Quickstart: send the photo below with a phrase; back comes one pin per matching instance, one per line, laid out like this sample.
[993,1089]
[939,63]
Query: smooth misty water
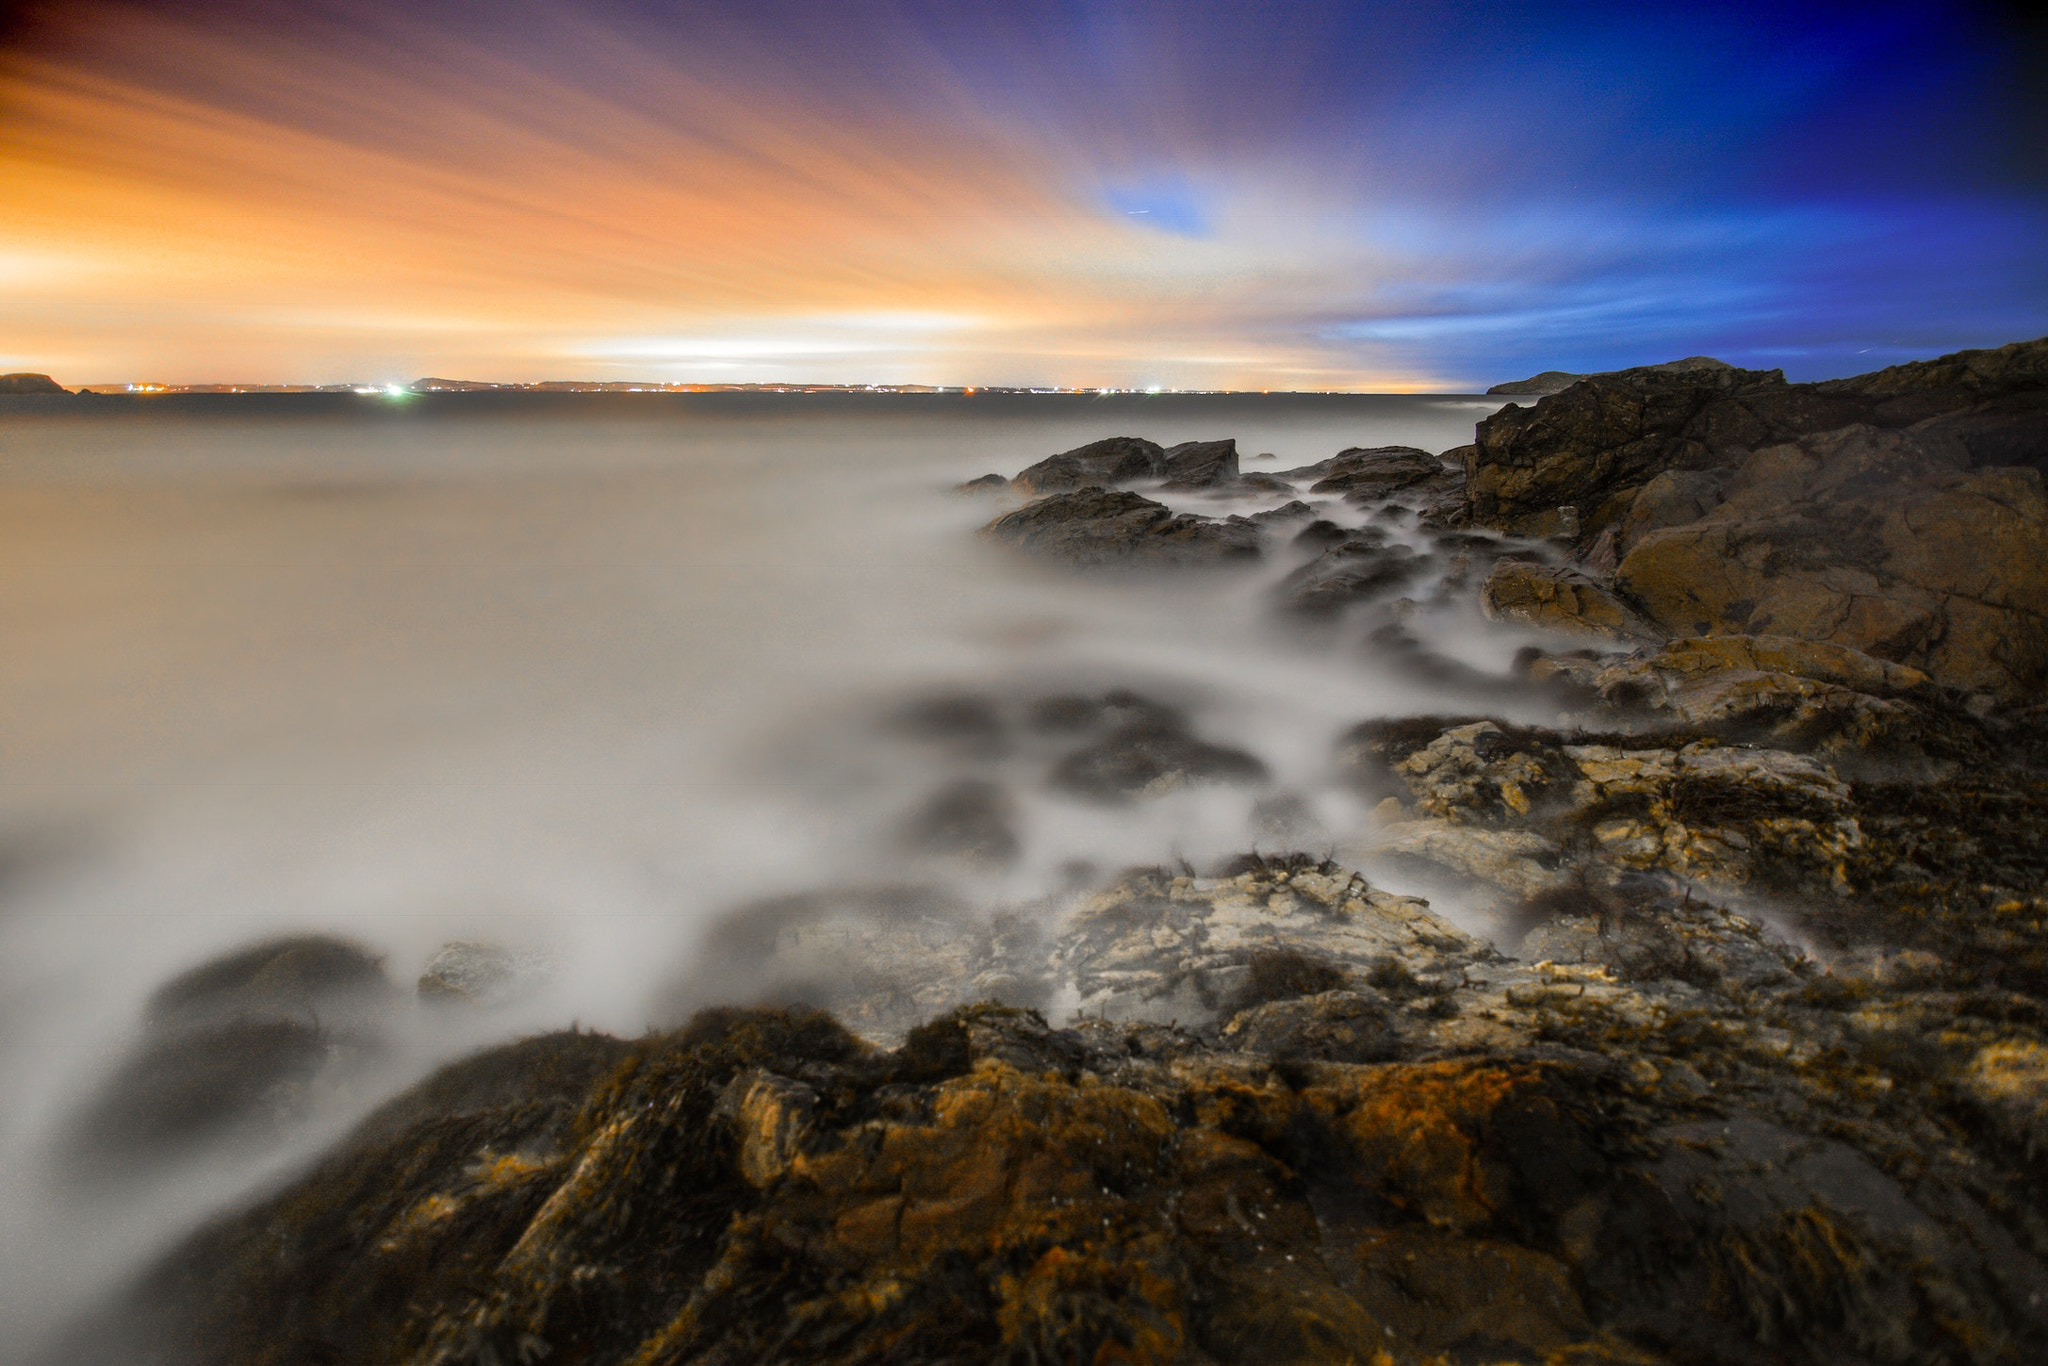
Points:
[572,676]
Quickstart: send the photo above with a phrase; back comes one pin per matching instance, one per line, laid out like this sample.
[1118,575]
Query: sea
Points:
[574,675]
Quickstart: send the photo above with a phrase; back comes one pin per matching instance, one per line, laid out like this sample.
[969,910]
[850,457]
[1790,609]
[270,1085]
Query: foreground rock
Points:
[1669,1139]
[1097,528]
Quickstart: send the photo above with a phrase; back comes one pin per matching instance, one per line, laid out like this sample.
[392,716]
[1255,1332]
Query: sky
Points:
[1301,195]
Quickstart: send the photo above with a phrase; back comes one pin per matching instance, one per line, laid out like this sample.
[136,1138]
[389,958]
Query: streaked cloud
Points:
[1091,193]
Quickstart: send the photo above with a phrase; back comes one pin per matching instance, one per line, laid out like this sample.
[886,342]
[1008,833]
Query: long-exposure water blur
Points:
[569,678]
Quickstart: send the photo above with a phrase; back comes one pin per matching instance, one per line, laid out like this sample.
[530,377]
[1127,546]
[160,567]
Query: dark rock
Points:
[1292,511]
[1369,472]
[970,819]
[1260,483]
[1112,460]
[1323,533]
[1354,570]
[26,383]
[988,483]
[1096,528]
[1583,447]
[966,724]
[1201,465]
[1066,713]
[304,979]
[181,1092]
[1985,372]
[1149,756]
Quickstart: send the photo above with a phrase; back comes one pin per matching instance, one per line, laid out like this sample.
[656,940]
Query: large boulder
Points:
[1579,449]
[1097,528]
[1595,446]
[1112,460]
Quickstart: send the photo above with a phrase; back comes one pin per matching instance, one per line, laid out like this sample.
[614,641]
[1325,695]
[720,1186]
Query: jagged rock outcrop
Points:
[1369,470]
[1096,528]
[1670,1139]
[1899,514]
[1194,465]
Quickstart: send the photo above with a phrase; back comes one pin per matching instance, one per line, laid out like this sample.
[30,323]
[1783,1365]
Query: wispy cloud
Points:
[1094,193]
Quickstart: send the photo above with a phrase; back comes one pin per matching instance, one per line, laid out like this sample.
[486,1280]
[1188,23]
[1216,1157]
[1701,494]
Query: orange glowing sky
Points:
[249,192]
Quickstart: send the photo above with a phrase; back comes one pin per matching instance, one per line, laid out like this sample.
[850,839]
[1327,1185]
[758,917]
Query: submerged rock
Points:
[971,819]
[300,978]
[1095,528]
[180,1093]
[1151,754]
[480,974]
[232,1052]
[1355,569]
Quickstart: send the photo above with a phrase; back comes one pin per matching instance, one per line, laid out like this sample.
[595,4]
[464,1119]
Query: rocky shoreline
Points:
[1750,1063]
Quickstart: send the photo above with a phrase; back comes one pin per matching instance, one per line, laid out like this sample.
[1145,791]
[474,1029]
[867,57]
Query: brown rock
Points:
[1871,540]
[1559,599]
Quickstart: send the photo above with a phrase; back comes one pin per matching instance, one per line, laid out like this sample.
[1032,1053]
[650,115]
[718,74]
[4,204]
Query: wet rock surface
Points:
[1682,998]
[1096,528]
[230,1053]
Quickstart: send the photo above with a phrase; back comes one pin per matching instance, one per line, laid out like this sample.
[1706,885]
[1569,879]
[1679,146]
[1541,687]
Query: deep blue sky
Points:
[1313,195]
